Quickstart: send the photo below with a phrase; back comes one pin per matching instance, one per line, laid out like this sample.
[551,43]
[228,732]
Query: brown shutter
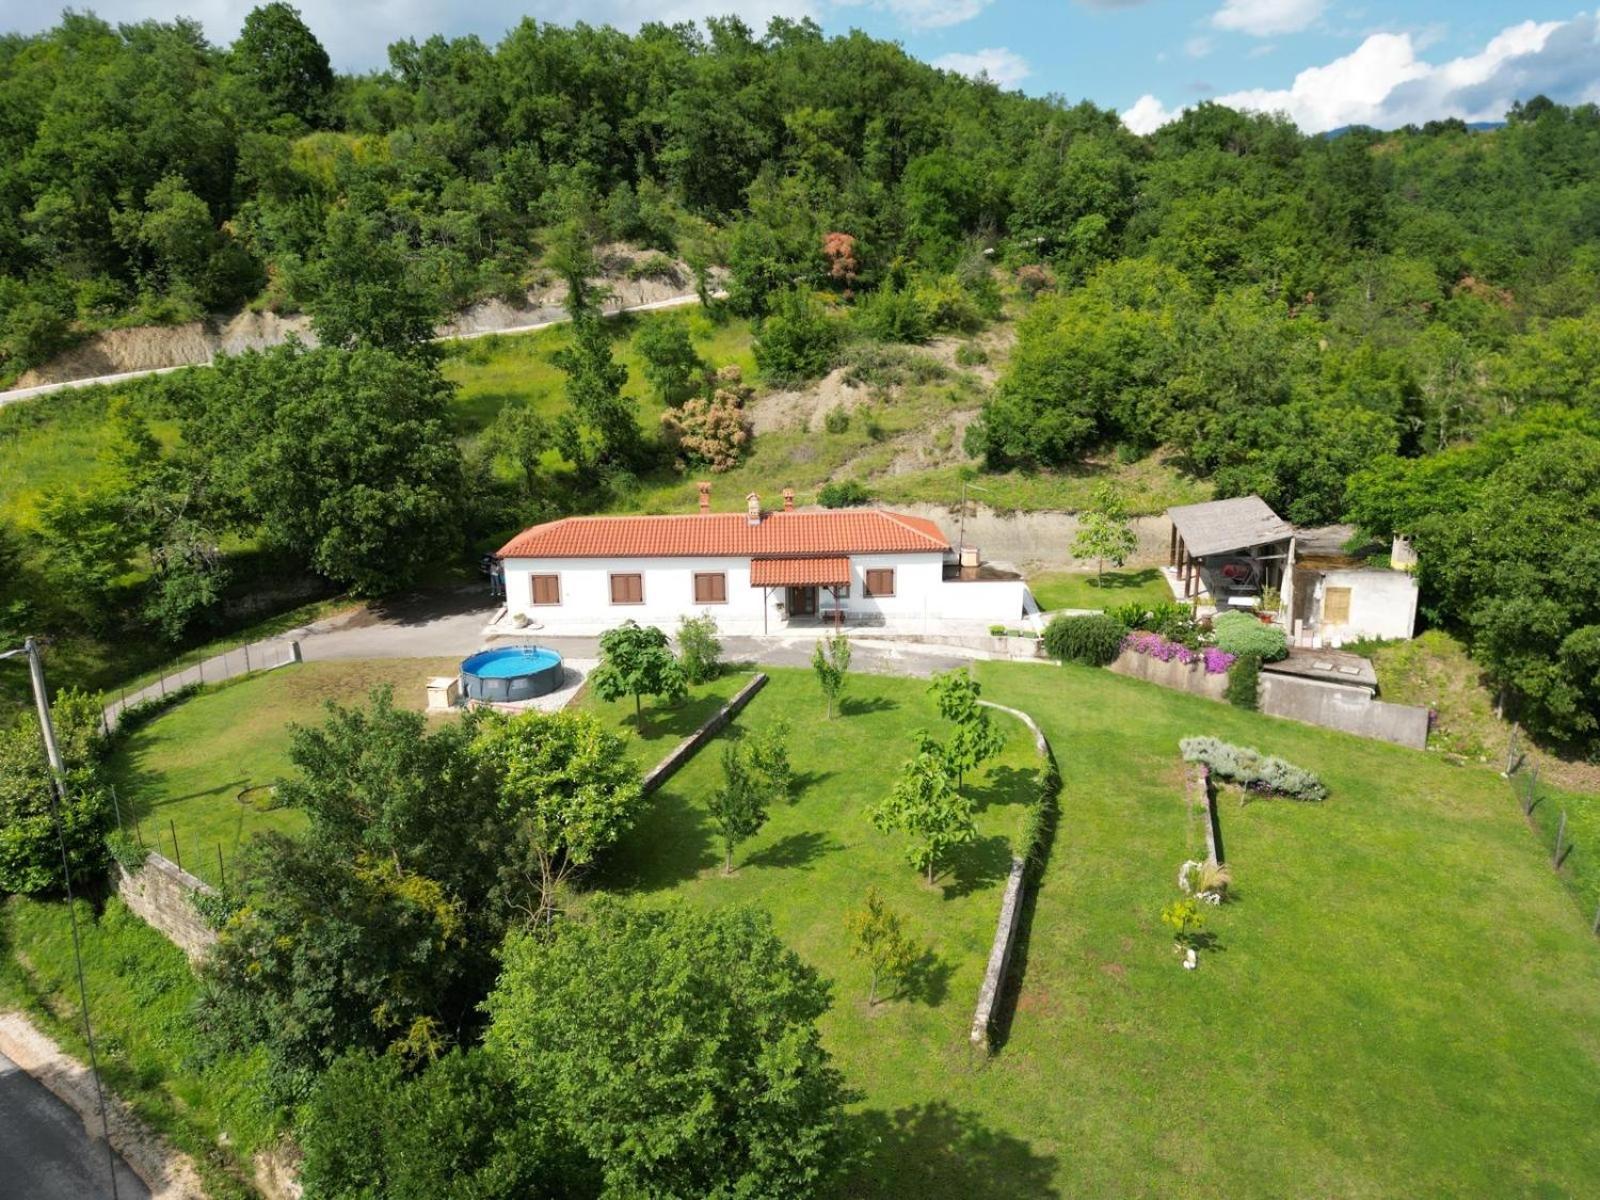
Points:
[880,582]
[546,589]
[711,588]
[1336,606]
[627,589]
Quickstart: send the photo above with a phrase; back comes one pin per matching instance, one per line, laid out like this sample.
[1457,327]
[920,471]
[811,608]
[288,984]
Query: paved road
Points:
[44,389]
[45,1152]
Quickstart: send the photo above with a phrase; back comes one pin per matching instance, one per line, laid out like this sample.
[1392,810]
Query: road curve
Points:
[45,1151]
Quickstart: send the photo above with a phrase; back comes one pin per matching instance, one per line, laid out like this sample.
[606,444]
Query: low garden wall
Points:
[1026,867]
[1183,677]
[160,893]
[1350,709]
[685,750]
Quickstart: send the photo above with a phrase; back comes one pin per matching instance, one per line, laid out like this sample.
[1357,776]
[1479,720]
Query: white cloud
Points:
[1002,66]
[924,14]
[1198,47]
[1266,18]
[1148,115]
[1385,84]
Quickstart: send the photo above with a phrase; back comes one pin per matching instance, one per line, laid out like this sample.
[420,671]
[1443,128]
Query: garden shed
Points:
[1232,550]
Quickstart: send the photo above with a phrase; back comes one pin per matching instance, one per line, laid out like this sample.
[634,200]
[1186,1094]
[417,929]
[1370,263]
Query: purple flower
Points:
[1218,661]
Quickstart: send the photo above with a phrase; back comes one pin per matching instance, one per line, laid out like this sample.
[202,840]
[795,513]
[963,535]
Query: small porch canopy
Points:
[1230,547]
[800,572]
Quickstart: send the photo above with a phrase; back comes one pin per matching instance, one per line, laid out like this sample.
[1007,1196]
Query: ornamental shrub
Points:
[1240,634]
[1093,640]
[1244,682]
[1253,770]
[846,493]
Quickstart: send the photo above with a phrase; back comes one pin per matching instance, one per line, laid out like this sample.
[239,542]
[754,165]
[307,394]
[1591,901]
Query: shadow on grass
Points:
[978,865]
[860,706]
[936,1151]
[928,980]
[795,851]
[670,844]
[1125,580]
[671,725]
[1004,785]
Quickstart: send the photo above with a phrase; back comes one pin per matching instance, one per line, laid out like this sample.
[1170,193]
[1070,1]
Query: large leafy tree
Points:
[601,426]
[734,1095]
[346,458]
[282,59]
[637,660]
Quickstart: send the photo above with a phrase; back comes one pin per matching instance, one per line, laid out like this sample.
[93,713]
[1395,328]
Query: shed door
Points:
[1336,606]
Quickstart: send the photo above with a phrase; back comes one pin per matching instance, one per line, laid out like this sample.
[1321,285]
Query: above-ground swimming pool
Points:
[511,673]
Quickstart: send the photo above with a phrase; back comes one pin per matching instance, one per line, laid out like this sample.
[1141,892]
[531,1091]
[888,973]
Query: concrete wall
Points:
[685,750]
[1383,604]
[1036,539]
[1191,678]
[159,894]
[1350,709]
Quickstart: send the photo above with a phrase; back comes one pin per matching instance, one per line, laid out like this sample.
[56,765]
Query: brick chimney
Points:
[705,498]
[788,499]
[752,507]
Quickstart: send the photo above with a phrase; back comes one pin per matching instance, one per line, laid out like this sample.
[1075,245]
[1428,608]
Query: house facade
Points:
[755,572]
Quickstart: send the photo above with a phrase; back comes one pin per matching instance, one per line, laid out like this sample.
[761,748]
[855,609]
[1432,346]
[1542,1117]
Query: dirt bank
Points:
[1032,541]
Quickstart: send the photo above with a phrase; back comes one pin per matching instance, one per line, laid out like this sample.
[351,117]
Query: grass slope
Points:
[1082,589]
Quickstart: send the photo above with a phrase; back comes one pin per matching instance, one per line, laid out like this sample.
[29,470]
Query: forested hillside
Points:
[1398,329]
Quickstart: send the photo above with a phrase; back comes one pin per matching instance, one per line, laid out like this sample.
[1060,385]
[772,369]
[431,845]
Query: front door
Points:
[802,602]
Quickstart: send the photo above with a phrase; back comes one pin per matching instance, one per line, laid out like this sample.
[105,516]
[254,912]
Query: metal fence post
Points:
[177,856]
[117,804]
[1561,833]
[247,658]
[222,873]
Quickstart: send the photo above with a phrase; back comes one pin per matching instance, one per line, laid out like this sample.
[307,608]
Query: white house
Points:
[756,572]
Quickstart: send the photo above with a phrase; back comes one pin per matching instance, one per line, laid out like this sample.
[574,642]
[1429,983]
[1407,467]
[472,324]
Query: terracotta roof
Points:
[730,535]
[799,572]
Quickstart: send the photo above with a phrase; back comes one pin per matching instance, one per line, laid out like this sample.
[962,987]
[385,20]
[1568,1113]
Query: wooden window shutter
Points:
[546,589]
[880,582]
[711,588]
[627,589]
[1336,606]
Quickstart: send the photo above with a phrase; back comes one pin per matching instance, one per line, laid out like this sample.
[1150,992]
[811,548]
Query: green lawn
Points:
[1082,589]
[186,768]
[141,994]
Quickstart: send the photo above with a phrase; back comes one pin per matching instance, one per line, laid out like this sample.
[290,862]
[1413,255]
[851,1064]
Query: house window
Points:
[710,587]
[546,588]
[627,589]
[1336,606]
[880,582]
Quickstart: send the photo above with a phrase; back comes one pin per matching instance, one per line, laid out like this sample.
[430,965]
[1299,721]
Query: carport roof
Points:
[1220,525]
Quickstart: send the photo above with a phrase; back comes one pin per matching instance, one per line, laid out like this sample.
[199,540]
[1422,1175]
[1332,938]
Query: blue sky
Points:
[1326,62]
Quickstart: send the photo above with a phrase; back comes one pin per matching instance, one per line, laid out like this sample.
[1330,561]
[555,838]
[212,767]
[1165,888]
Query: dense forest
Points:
[1397,329]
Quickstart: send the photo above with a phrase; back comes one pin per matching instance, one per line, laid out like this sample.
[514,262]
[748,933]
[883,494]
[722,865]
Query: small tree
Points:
[636,661]
[926,806]
[699,649]
[768,759]
[877,934]
[672,366]
[976,740]
[739,806]
[831,662]
[1106,532]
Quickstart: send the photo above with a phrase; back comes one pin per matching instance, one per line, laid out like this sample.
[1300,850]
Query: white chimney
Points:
[752,504]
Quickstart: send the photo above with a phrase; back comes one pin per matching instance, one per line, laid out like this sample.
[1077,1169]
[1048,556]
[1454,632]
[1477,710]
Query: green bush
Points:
[1244,682]
[845,493]
[1094,640]
[798,340]
[1253,770]
[892,315]
[837,420]
[1242,634]
[699,648]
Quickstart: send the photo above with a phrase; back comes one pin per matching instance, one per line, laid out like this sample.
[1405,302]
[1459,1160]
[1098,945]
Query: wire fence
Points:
[1564,830]
[202,669]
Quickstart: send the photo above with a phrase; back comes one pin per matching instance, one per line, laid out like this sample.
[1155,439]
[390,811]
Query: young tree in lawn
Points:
[565,791]
[831,662]
[767,756]
[926,806]
[739,806]
[1105,531]
[733,1096]
[878,935]
[635,660]
[975,740]
[699,648]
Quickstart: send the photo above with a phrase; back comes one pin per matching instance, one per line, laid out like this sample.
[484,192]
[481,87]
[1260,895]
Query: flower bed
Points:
[1154,645]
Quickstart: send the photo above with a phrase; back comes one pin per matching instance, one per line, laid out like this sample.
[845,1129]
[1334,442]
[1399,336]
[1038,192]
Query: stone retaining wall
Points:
[1349,709]
[1183,677]
[685,750]
[159,893]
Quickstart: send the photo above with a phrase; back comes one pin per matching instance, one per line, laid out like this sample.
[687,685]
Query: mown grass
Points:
[141,994]
[186,768]
[1085,589]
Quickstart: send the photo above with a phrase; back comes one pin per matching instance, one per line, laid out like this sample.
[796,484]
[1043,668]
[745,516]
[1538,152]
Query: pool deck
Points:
[575,671]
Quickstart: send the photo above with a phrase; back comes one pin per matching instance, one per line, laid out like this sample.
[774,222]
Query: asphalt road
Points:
[45,1152]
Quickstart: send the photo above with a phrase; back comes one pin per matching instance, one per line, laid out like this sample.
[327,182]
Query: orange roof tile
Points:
[730,535]
[799,572]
